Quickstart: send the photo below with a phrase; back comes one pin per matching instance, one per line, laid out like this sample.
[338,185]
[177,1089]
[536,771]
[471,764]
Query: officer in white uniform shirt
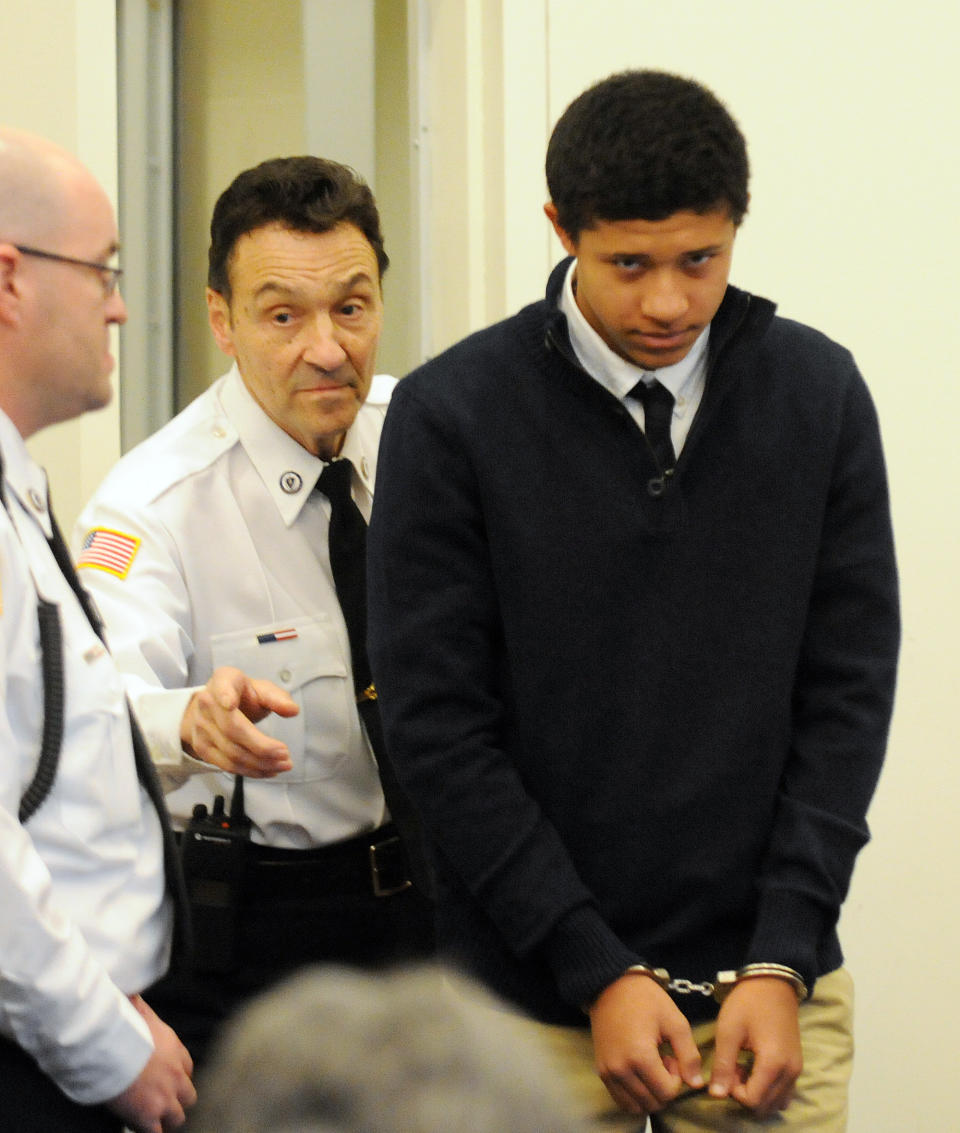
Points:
[85,923]
[223,561]
[206,549]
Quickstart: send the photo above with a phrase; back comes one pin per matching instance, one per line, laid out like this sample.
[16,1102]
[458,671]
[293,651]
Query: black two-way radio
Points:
[214,853]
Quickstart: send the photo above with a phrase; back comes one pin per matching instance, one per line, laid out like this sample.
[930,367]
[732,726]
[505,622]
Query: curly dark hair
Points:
[644,145]
[304,194]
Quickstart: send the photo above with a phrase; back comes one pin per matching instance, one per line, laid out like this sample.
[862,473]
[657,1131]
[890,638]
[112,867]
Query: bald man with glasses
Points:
[85,915]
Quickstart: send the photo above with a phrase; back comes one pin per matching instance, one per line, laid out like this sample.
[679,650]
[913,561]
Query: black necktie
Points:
[657,416]
[146,772]
[348,561]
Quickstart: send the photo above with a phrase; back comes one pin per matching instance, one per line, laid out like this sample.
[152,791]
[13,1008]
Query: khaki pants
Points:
[826,1030]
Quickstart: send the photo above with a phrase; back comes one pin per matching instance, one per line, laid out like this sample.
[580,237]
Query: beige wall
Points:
[486,118]
[58,78]
[849,111]
[395,186]
[240,82]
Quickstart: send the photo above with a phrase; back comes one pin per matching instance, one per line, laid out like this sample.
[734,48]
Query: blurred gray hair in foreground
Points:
[417,1050]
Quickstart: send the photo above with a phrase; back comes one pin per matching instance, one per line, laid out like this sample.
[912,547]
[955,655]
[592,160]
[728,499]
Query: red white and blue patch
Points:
[109,550]
[278,635]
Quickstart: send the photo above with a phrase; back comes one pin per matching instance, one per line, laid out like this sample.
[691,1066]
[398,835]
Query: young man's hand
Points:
[759,1015]
[630,1020]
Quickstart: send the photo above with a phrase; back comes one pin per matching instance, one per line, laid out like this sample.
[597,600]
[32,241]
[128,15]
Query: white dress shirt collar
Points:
[287,469]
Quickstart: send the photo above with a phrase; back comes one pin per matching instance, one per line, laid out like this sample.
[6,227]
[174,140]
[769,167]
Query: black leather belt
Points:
[371,865]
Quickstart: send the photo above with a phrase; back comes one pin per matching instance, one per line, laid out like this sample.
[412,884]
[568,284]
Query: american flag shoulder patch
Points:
[109,550]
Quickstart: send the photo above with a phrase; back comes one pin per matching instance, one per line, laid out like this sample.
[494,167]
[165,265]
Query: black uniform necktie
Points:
[348,562]
[657,417]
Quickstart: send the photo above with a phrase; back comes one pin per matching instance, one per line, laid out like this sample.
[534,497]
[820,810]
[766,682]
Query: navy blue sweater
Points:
[637,726]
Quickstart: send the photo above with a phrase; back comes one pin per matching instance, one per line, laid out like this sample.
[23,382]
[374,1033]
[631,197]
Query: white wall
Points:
[850,110]
[58,78]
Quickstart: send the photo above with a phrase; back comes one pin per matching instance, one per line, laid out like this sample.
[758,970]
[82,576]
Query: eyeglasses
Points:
[110,276]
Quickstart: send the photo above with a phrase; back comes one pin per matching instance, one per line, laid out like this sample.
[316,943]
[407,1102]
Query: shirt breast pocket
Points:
[305,659]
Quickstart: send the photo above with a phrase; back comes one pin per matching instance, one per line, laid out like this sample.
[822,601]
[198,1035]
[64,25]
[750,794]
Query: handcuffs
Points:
[724,982]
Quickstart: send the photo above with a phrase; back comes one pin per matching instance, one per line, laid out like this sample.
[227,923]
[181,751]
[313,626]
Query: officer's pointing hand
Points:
[218,724]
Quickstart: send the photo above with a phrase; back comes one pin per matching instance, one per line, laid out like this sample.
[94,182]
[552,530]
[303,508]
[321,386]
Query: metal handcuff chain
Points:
[689,987]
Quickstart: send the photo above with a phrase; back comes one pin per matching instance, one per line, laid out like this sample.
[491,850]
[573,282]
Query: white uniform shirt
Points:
[83,916]
[232,568]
